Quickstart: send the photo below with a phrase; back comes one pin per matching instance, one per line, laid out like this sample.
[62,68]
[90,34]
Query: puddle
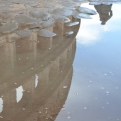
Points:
[60,60]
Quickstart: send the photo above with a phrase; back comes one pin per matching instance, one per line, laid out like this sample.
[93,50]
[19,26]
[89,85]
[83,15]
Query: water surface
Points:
[95,89]
[70,72]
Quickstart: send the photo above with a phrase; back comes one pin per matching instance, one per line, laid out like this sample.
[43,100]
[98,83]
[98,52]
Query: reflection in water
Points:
[36,81]
[33,72]
[37,50]
[1,105]
[19,93]
[105,12]
[95,91]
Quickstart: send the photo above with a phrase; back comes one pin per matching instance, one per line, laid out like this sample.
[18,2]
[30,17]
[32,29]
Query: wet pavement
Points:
[60,60]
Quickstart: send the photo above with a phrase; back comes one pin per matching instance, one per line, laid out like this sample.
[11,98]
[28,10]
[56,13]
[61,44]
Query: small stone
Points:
[64,87]
[85,108]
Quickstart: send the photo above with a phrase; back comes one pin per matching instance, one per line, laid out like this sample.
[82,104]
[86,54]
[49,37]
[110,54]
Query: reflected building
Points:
[104,11]
[33,72]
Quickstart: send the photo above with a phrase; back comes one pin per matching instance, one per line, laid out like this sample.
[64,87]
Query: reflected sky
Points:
[1,105]
[95,89]
[19,93]
[89,36]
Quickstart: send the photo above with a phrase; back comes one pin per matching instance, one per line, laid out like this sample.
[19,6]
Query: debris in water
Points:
[64,87]
[102,87]
[63,11]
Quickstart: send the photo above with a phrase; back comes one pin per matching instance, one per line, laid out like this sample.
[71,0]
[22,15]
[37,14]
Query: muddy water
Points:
[56,66]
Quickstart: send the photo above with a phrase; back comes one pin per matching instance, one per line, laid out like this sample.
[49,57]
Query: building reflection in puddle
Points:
[104,11]
[34,71]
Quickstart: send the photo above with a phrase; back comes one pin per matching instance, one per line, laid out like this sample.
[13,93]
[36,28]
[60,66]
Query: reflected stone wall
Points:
[46,63]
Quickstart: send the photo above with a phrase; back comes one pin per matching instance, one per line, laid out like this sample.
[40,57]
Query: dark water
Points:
[62,78]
